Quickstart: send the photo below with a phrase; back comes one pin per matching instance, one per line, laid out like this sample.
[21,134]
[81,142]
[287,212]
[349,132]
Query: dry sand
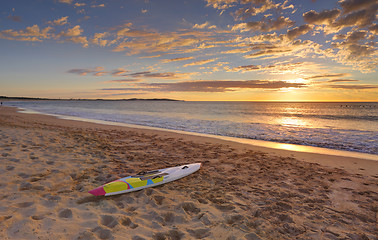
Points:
[241,192]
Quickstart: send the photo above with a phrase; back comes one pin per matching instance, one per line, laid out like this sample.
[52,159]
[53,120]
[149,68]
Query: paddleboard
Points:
[145,179]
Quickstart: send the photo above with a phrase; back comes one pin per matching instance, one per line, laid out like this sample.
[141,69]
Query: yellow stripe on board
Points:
[136,182]
[115,187]
[156,180]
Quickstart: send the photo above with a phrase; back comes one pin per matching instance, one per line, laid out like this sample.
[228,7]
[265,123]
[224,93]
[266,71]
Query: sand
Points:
[241,191]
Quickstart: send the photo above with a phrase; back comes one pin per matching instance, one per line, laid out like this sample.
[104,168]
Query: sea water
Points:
[341,126]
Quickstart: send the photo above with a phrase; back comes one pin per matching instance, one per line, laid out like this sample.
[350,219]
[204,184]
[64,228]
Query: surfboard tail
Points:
[98,191]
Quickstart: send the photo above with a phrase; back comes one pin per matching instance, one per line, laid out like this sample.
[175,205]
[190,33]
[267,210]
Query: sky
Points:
[194,50]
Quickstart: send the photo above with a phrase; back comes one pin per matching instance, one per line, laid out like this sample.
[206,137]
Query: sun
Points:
[296,80]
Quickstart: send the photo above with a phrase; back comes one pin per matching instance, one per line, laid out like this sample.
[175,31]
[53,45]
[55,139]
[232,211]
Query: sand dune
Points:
[48,165]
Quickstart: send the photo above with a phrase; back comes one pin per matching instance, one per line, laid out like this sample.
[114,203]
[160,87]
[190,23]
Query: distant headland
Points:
[4,98]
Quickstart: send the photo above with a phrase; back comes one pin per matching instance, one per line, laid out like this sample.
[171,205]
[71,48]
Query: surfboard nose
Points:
[98,191]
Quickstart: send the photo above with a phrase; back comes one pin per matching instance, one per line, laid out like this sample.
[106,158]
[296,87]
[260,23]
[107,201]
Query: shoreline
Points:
[350,161]
[253,142]
[240,192]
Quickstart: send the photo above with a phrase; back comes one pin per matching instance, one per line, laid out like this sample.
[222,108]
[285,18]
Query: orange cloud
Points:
[59,22]
[201,62]
[219,86]
[33,34]
[176,59]
[265,25]
[353,86]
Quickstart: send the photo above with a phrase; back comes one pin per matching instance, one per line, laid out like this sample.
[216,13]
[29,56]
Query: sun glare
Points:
[296,80]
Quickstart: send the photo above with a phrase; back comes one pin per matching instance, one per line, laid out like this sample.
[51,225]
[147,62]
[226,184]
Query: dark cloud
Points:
[219,86]
[354,5]
[356,36]
[248,68]
[361,18]
[283,47]
[98,71]
[128,80]
[356,51]
[280,67]
[328,75]
[374,29]
[267,25]
[122,89]
[268,53]
[176,59]
[255,7]
[167,75]
[298,31]
[324,17]
[343,80]
[355,86]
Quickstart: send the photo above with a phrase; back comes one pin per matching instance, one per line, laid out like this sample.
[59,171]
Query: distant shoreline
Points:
[4,98]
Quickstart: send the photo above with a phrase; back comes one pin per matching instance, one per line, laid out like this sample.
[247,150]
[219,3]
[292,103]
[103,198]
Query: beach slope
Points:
[240,192]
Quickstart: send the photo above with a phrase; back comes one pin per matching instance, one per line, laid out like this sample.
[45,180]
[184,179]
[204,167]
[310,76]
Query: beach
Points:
[242,191]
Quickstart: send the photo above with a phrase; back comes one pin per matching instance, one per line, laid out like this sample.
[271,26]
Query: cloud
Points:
[351,37]
[98,39]
[72,32]
[165,75]
[355,51]
[298,31]
[203,26]
[356,13]
[353,86]
[374,29]
[59,22]
[324,17]
[97,6]
[74,35]
[361,18]
[336,75]
[32,34]
[66,1]
[79,39]
[176,59]
[201,62]
[118,72]
[221,4]
[278,68]
[265,25]
[100,71]
[354,5]
[283,48]
[85,71]
[255,7]
[80,4]
[342,80]
[128,80]
[122,89]
[135,41]
[219,86]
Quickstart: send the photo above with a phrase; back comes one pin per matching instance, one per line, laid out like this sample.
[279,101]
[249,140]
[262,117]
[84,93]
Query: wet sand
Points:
[241,191]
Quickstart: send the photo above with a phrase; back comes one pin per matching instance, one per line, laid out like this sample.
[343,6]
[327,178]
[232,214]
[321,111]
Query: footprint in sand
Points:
[25,204]
[65,213]
[128,223]
[103,233]
[9,168]
[190,208]
[199,233]
[109,221]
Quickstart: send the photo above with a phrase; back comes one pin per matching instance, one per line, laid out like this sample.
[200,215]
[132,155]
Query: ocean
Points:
[341,126]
